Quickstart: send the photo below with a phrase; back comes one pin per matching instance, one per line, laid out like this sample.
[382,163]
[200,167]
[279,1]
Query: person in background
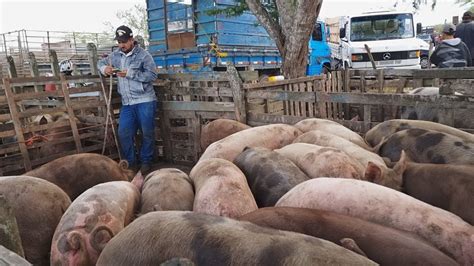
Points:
[451,52]
[135,71]
[465,31]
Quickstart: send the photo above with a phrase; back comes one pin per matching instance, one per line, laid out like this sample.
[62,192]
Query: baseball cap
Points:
[123,33]
[449,28]
[467,15]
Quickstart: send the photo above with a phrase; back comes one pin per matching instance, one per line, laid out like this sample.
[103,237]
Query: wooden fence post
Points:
[16,123]
[11,67]
[72,121]
[238,93]
[9,233]
[93,58]
[53,59]
[34,70]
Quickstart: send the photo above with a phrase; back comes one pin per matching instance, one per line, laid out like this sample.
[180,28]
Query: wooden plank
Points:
[281,82]
[320,87]
[33,112]
[166,135]
[17,124]
[259,119]
[367,113]
[93,58]
[445,73]
[309,88]
[53,59]
[70,111]
[5,117]
[380,79]
[282,96]
[297,103]
[37,95]
[237,93]
[198,106]
[11,67]
[387,72]
[397,99]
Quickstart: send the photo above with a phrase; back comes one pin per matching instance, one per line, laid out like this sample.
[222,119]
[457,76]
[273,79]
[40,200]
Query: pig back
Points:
[38,206]
[211,240]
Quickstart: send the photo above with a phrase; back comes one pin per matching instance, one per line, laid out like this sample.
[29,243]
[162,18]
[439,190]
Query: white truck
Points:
[389,35]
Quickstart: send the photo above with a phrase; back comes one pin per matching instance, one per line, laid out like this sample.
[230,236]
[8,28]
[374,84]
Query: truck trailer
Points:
[185,38]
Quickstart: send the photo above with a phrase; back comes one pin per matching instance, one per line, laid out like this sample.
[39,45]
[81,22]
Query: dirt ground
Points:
[161,164]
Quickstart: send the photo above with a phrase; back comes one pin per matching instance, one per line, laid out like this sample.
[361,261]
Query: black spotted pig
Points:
[388,207]
[94,218]
[269,174]
[381,244]
[427,146]
[221,189]
[157,237]
[450,187]
[167,189]
[38,206]
[375,135]
[79,172]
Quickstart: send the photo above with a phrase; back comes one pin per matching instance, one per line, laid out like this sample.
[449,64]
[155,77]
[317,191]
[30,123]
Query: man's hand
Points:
[109,70]
[122,73]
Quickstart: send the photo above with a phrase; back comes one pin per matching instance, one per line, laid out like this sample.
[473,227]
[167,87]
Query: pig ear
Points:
[138,181]
[401,165]
[373,173]
[43,121]
[351,245]
[377,147]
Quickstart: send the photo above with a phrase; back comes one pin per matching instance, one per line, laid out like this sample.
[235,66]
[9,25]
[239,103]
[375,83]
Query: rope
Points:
[109,115]
[35,138]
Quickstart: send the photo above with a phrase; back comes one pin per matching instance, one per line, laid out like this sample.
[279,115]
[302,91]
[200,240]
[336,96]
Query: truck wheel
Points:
[424,62]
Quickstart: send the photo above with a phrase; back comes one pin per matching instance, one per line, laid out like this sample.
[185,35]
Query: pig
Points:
[317,161]
[387,207]
[271,137]
[269,174]
[375,135]
[450,187]
[219,129]
[8,257]
[93,218]
[165,190]
[211,240]
[79,172]
[38,206]
[462,117]
[376,169]
[221,189]
[333,128]
[427,146]
[383,245]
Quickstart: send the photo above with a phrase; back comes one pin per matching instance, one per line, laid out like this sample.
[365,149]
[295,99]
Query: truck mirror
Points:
[342,33]
[418,28]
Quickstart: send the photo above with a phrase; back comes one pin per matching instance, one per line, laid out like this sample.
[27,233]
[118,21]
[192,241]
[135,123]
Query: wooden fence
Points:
[37,126]
[356,99]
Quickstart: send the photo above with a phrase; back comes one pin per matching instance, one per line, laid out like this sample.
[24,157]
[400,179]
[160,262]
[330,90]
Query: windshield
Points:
[382,27]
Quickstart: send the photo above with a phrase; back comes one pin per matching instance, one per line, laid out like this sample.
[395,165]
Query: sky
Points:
[90,15]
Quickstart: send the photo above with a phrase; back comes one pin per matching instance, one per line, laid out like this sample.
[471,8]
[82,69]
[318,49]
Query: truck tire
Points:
[424,62]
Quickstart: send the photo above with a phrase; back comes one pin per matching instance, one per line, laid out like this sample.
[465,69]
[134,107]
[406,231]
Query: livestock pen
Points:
[355,98]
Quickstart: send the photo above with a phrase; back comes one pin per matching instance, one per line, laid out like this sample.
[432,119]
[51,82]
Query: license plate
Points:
[389,62]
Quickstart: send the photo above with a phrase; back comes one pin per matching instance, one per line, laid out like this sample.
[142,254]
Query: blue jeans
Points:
[133,117]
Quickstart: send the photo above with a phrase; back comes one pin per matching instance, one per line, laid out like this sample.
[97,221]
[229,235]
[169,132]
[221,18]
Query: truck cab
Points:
[390,36]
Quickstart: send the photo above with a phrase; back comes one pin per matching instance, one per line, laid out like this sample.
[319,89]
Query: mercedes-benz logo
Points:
[386,56]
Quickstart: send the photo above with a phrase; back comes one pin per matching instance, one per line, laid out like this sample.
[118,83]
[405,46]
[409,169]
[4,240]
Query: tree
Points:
[135,18]
[289,23]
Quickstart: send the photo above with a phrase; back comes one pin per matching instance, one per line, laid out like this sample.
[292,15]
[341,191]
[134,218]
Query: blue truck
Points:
[184,38]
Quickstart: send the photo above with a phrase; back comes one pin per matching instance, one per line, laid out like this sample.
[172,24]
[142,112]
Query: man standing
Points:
[451,52]
[465,31]
[135,70]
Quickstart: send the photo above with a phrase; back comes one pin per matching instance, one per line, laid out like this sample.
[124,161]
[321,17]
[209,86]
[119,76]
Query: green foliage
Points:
[135,18]
[241,6]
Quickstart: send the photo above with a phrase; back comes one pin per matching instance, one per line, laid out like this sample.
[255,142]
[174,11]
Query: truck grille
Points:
[383,56]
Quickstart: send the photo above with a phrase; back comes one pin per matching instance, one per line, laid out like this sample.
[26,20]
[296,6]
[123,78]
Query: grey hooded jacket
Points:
[137,86]
[451,53]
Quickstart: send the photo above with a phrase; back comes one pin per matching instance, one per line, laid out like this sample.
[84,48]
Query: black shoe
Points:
[145,169]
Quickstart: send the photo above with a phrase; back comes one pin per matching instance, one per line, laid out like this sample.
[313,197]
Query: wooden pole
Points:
[53,59]
[370,56]
[11,67]
[93,58]
[9,233]
[236,85]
